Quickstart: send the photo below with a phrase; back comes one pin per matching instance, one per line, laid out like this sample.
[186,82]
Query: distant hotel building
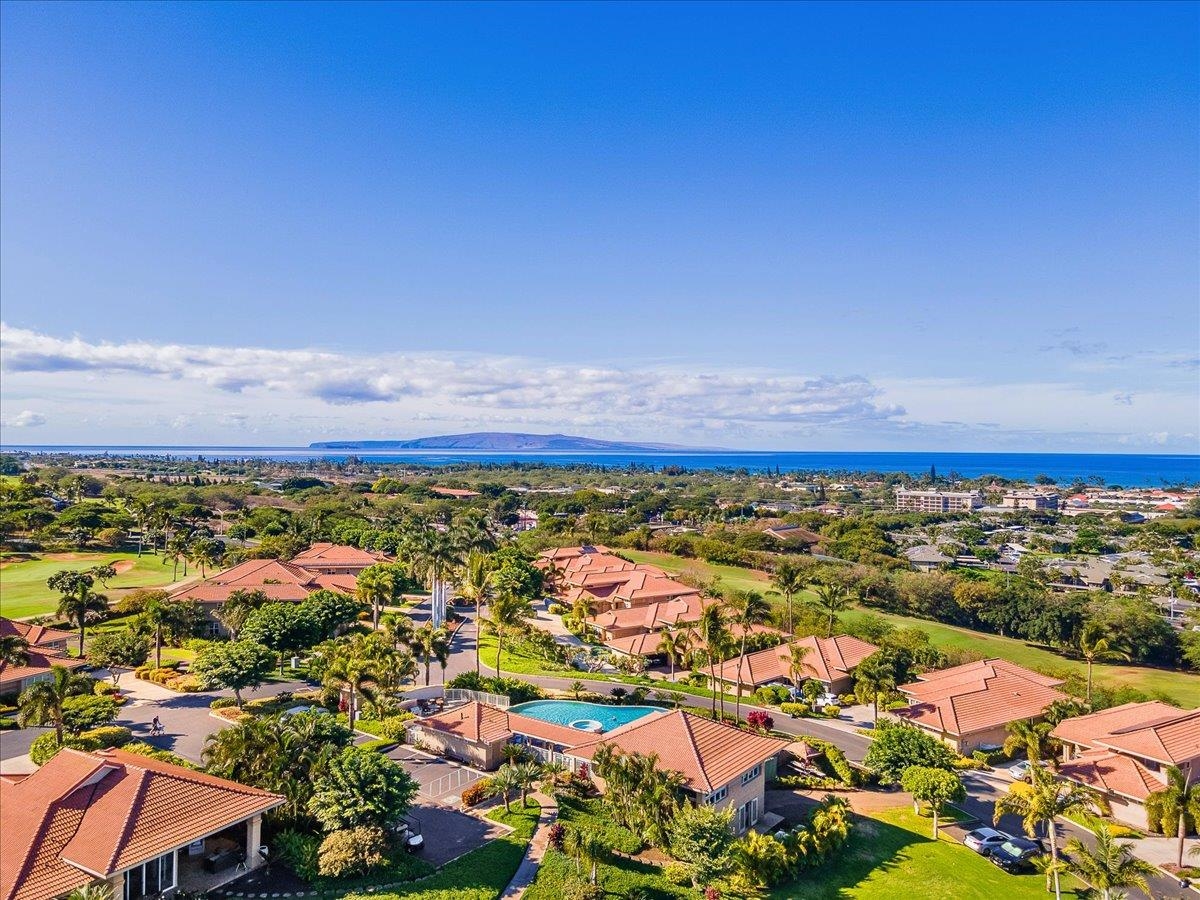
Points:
[937,501]
[1029,500]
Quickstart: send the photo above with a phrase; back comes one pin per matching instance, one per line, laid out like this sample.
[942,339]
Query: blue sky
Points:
[898,226]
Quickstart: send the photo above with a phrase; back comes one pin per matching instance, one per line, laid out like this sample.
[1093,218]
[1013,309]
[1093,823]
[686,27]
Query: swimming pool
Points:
[587,717]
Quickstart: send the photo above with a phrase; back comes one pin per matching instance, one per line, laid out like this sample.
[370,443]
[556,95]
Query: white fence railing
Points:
[459,695]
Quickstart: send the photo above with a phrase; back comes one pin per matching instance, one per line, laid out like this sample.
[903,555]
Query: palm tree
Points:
[750,609]
[162,616]
[350,665]
[831,599]
[14,650]
[236,609]
[1094,644]
[434,556]
[789,579]
[526,774]
[1031,737]
[177,551]
[377,586]
[577,688]
[398,629]
[77,600]
[675,646]
[1041,803]
[1175,804]
[1111,864]
[508,611]
[431,643]
[476,587]
[503,783]
[798,664]
[715,636]
[205,552]
[875,676]
[99,890]
[587,846]
[43,700]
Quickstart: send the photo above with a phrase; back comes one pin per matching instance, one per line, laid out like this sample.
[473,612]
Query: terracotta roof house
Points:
[647,643]
[1124,752]
[721,765]
[38,636]
[455,493]
[624,622]
[970,706]
[477,733]
[794,534]
[282,582]
[829,660]
[336,559]
[142,825]
[14,679]
[926,558]
[560,555]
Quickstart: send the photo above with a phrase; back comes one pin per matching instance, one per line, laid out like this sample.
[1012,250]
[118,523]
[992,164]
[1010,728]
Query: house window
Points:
[752,774]
[747,815]
[717,796]
[151,878]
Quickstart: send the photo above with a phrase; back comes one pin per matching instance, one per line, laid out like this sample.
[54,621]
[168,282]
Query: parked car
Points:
[981,840]
[1016,854]
[1021,770]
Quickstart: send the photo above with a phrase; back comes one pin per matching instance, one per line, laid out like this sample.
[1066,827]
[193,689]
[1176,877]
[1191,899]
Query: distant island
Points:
[496,440]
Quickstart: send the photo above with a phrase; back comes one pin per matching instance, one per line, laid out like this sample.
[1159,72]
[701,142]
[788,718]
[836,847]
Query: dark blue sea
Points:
[1127,470]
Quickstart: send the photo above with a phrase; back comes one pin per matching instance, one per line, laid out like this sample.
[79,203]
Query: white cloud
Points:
[26,418]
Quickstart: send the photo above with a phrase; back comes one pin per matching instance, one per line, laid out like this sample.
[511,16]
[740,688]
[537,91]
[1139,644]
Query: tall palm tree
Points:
[1032,737]
[750,609]
[14,650]
[431,643]
[509,610]
[475,586]
[1175,804]
[586,845]
[77,601]
[1041,803]
[873,677]
[789,579]
[831,599]
[376,587]
[715,634]
[798,664]
[675,646]
[162,616]
[352,666]
[1110,865]
[435,556]
[176,550]
[397,629]
[43,700]
[1095,644]
[205,552]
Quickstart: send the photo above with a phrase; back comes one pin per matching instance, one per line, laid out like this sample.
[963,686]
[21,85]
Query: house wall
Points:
[1128,811]
[480,755]
[742,793]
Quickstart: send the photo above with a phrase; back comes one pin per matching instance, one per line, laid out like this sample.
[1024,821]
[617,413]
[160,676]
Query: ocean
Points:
[1127,470]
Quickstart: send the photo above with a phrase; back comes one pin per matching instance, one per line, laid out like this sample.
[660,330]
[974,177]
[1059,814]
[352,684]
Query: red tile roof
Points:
[828,660]
[83,815]
[480,723]
[39,663]
[708,754]
[978,696]
[34,635]
[280,581]
[1112,773]
[1172,742]
[1087,730]
[335,555]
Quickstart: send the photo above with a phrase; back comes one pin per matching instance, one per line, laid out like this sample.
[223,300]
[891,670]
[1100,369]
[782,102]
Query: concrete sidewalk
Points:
[528,869]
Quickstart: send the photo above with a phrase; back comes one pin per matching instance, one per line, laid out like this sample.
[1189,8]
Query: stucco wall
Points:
[482,756]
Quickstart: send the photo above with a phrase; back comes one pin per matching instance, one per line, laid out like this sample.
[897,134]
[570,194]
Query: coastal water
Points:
[1127,470]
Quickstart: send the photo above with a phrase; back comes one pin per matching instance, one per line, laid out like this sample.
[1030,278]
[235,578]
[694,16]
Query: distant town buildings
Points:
[1029,500]
[908,500]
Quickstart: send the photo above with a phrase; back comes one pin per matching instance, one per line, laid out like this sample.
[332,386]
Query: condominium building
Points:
[937,501]
[1029,500]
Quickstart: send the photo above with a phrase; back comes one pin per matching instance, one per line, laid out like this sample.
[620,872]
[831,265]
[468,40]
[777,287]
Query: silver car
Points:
[982,840]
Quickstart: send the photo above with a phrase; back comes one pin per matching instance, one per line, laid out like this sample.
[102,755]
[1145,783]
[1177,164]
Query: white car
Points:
[982,840]
[1021,770]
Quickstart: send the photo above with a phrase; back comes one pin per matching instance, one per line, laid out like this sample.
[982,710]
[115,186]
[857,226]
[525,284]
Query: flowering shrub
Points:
[759,720]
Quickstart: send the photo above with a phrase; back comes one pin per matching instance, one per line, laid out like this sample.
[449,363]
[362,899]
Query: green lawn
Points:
[891,855]
[482,874]
[23,590]
[1182,687]
[514,663]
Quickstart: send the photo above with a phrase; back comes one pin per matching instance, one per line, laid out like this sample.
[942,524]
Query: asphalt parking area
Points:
[441,780]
